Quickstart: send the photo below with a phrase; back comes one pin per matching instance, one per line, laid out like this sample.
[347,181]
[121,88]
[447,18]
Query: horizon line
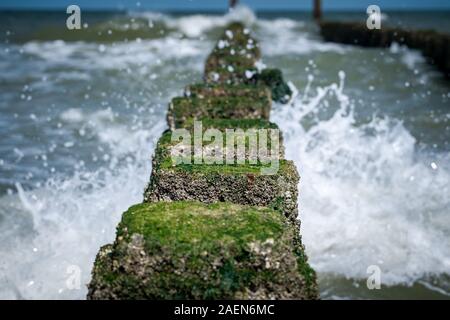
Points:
[214,10]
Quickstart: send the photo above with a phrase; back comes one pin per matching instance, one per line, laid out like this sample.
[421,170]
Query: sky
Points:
[196,5]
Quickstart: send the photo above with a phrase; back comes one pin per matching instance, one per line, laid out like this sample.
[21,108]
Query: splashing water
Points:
[368,196]
[372,155]
[70,218]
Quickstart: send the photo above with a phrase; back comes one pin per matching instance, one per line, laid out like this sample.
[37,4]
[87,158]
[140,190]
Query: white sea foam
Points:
[409,57]
[72,115]
[286,36]
[367,195]
[194,26]
[87,56]
[72,217]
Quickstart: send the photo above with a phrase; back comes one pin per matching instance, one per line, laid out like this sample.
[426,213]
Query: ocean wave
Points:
[368,196]
[197,25]
[115,56]
[69,218]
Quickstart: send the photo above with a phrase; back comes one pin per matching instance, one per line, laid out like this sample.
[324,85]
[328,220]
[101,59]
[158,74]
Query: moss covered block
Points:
[236,67]
[233,59]
[219,59]
[171,142]
[230,75]
[230,70]
[223,125]
[237,184]
[183,108]
[190,250]
[201,90]
[190,176]
[237,40]
[273,78]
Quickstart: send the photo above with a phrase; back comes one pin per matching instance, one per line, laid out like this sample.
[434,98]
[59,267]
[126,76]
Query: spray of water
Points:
[367,195]
[70,218]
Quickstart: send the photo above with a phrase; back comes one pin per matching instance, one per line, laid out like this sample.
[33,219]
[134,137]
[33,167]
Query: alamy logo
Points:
[73,281]
[73,22]
[252,146]
[374,280]
[374,19]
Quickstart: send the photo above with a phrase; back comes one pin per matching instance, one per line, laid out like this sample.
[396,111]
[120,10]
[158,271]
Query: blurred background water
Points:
[80,112]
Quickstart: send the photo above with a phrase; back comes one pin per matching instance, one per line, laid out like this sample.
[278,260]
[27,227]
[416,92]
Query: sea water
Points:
[80,113]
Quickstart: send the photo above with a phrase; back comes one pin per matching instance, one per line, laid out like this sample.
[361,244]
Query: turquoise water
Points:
[80,112]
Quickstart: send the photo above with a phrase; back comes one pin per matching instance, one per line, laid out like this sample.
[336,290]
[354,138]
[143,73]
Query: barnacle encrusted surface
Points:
[191,250]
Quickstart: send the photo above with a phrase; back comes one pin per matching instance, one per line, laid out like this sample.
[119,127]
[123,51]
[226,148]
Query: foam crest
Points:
[197,25]
[285,36]
[119,55]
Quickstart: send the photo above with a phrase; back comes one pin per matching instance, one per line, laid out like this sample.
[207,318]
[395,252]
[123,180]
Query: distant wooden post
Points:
[317,13]
[233,3]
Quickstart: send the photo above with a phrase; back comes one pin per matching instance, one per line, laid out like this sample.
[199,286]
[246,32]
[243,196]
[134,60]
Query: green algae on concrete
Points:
[230,69]
[220,60]
[190,250]
[233,183]
[182,108]
[244,126]
[222,124]
[202,90]
[242,241]
[237,41]
[233,60]
[247,134]
[227,74]
[243,183]
[273,78]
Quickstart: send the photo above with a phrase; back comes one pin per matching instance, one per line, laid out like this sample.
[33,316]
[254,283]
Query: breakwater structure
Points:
[218,230]
[435,46]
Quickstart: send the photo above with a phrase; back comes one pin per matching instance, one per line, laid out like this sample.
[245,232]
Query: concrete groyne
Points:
[435,46]
[214,230]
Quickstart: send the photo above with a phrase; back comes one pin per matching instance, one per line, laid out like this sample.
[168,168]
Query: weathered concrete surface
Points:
[190,250]
[202,91]
[182,109]
[237,183]
[233,59]
[240,124]
[233,62]
[435,46]
[173,248]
